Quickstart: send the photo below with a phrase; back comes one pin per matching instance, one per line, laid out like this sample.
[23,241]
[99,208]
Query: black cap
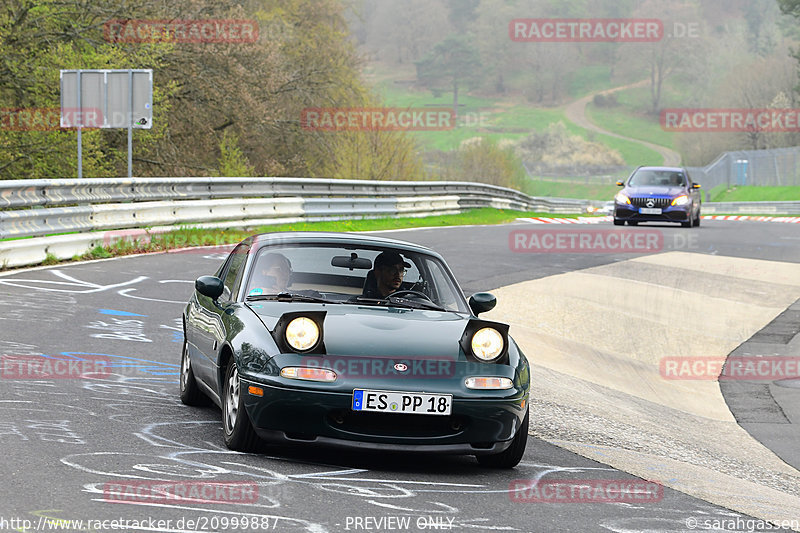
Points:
[390,258]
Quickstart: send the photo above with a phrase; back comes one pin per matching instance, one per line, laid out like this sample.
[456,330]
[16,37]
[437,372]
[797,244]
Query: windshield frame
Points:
[423,257]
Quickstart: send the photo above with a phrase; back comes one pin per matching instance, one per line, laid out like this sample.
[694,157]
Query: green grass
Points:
[721,193]
[623,121]
[590,79]
[499,119]
[560,189]
[195,236]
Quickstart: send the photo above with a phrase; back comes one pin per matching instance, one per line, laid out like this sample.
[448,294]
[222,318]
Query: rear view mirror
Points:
[481,302]
[352,262]
[619,183]
[696,186]
[210,286]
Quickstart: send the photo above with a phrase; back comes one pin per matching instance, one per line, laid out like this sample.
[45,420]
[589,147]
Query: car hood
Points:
[654,190]
[379,331]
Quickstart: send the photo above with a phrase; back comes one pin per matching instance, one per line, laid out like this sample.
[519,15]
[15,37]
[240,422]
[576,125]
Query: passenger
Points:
[272,274]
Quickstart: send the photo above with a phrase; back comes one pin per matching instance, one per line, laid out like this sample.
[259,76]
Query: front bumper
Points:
[628,212]
[476,425]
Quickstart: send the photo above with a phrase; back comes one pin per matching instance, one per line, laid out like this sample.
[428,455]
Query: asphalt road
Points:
[68,443]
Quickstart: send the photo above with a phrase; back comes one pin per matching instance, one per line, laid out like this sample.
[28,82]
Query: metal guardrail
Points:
[49,193]
[66,217]
[47,207]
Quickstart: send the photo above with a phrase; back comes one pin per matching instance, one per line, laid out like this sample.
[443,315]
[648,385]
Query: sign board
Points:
[107,98]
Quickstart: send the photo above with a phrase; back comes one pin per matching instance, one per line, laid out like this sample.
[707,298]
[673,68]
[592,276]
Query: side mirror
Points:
[481,302]
[620,184]
[695,186]
[210,286]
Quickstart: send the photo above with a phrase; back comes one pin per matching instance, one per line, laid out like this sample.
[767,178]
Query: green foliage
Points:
[452,64]
[232,162]
[37,39]
[556,147]
[303,57]
[483,160]
[99,252]
[50,259]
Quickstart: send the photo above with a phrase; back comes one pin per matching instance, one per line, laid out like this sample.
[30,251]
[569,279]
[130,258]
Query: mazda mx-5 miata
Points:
[353,342]
[658,194]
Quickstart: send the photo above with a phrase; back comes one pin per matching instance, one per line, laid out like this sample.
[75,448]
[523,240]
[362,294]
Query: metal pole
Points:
[130,123]
[80,123]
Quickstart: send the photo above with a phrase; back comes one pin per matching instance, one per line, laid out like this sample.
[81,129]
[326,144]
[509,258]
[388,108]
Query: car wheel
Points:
[687,224]
[619,222]
[190,392]
[511,456]
[697,220]
[239,432]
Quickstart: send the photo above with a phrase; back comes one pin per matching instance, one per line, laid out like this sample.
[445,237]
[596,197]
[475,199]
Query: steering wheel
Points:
[415,293]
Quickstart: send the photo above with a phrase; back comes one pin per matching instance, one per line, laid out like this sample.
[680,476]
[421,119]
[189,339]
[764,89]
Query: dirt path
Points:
[576,113]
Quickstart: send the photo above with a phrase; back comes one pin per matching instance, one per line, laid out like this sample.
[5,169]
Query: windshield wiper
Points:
[289,297]
[401,302]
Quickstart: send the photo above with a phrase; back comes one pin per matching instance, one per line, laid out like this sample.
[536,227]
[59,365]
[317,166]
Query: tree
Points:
[452,64]
[671,55]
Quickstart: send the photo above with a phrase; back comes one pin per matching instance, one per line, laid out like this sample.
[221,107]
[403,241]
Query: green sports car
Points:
[354,342]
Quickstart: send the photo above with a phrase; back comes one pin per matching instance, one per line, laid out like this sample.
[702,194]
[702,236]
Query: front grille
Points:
[396,425]
[657,202]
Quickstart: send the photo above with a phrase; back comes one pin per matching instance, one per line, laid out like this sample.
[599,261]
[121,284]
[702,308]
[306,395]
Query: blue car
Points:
[658,194]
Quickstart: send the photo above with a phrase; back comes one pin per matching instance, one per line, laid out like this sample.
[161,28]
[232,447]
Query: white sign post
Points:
[102,98]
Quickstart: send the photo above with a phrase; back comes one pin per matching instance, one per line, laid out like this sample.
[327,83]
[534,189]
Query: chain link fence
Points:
[762,168]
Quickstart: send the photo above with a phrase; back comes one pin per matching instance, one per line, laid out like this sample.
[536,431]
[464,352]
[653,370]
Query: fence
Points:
[773,167]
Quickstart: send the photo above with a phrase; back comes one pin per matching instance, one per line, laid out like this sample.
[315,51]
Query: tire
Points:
[511,456]
[633,222]
[687,224]
[619,222]
[236,426]
[697,220]
[190,392]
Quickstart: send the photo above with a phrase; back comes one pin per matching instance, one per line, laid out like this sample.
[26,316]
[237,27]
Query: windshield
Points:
[664,178]
[359,275]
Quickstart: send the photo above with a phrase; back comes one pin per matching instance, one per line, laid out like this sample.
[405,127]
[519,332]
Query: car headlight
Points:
[622,198]
[487,344]
[681,200]
[302,334]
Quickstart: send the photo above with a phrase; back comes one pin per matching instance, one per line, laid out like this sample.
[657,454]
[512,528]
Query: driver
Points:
[389,271]
[272,274]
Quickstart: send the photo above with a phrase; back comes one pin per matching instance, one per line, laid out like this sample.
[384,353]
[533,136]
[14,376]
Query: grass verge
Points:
[723,193]
[194,236]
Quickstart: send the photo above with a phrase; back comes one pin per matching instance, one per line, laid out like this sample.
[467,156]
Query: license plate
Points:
[650,210]
[419,403]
